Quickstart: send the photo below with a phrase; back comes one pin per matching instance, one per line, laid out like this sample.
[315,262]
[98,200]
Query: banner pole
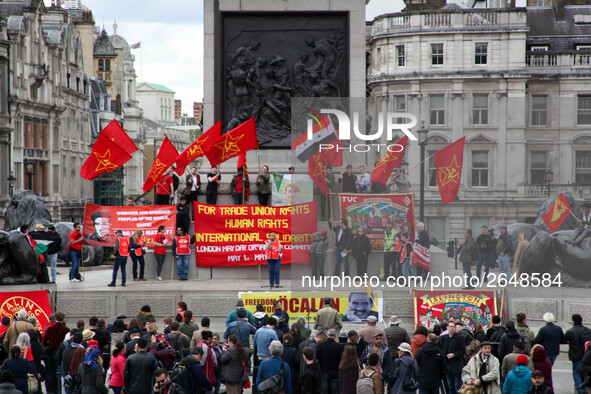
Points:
[502,302]
[331,226]
[52,299]
[420,163]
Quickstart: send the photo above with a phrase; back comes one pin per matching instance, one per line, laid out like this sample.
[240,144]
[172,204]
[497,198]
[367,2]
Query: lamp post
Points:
[11,179]
[30,170]
[423,132]
[548,177]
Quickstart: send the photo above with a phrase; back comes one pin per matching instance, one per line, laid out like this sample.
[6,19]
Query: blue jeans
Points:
[483,257]
[120,262]
[238,198]
[577,375]
[182,265]
[454,381]
[406,271]
[75,257]
[505,265]
[116,390]
[467,268]
[330,386]
[274,266]
[339,258]
[52,262]
[552,359]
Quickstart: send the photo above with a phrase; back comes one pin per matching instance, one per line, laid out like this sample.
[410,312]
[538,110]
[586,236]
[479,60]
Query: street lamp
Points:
[423,132]
[548,177]
[30,170]
[11,179]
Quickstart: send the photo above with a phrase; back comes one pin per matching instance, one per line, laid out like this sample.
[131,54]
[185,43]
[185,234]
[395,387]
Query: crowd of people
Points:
[139,355]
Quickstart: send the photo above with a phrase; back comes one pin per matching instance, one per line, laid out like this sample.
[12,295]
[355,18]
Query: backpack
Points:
[179,374]
[72,383]
[365,384]
[271,384]
[472,349]
[497,334]
[410,380]
[523,332]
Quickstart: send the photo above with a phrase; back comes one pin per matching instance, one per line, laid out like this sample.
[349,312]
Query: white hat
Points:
[548,317]
[405,347]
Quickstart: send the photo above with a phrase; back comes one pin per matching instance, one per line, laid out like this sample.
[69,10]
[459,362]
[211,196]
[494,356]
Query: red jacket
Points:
[54,335]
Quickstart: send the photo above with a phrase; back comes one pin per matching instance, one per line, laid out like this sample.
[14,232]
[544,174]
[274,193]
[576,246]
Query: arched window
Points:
[101,65]
[107,65]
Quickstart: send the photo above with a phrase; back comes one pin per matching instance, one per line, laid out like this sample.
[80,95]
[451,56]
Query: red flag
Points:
[198,148]
[166,157]
[115,133]
[557,213]
[388,163]
[106,156]
[448,162]
[316,167]
[242,163]
[235,142]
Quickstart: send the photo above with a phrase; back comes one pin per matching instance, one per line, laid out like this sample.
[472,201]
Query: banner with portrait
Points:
[290,189]
[101,222]
[373,212]
[235,235]
[36,303]
[354,307]
[472,306]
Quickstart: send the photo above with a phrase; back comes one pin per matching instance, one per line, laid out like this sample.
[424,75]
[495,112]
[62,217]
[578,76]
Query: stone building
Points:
[48,104]
[157,101]
[514,81]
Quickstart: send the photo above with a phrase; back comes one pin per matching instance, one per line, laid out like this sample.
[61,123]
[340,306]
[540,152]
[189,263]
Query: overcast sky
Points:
[171,35]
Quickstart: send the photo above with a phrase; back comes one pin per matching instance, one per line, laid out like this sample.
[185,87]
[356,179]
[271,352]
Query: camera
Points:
[491,232]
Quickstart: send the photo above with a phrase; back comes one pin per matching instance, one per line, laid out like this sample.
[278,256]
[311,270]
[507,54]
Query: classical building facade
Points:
[157,101]
[513,81]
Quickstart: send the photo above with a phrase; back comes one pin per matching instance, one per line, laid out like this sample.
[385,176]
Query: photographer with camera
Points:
[484,243]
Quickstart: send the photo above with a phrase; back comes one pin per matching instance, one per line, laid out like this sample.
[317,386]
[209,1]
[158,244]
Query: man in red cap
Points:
[537,379]
[518,380]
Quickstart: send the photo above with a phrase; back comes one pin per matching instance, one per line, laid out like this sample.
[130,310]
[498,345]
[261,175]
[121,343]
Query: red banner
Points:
[421,256]
[470,306]
[36,303]
[228,236]
[101,222]
[374,211]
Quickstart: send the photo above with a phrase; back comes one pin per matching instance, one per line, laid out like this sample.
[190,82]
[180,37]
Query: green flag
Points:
[278,179]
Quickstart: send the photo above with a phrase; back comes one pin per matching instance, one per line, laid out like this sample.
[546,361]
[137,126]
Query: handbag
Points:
[470,389]
[273,383]
[33,383]
[245,383]
[108,377]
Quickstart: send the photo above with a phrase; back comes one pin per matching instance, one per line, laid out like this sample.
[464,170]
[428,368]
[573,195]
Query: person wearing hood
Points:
[92,374]
[404,366]
[311,382]
[541,362]
[318,249]
[537,379]
[510,360]
[518,380]
[483,370]
[419,339]
[550,336]
[145,315]
[260,317]
[508,340]
[432,366]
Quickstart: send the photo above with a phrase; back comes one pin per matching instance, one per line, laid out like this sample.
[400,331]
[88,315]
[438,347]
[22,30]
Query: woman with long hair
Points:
[233,363]
[20,368]
[117,366]
[349,370]
[296,333]
[37,350]
[24,342]
[133,323]
[92,374]
[117,332]
[136,253]
[479,332]
[419,339]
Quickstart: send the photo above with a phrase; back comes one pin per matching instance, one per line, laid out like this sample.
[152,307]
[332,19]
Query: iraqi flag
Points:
[323,132]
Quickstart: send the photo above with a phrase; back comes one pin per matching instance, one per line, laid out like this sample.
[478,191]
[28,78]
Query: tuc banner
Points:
[374,211]
[472,306]
[227,236]
[353,307]
[101,222]
[36,303]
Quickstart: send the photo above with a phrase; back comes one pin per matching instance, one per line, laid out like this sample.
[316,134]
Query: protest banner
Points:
[472,306]
[353,306]
[36,303]
[101,222]
[373,212]
[227,236]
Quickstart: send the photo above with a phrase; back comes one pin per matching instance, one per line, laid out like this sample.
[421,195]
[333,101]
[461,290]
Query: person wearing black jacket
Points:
[432,366]
[355,340]
[164,385]
[484,244]
[343,239]
[183,215]
[197,378]
[508,340]
[52,250]
[329,355]
[585,369]
[138,373]
[361,251]
[576,349]
[454,347]
[310,381]
[550,336]
[348,180]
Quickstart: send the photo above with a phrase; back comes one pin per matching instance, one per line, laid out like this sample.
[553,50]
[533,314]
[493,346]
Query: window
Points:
[400,106]
[108,65]
[479,168]
[436,228]
[476,223]
[436,54]
[584,110]
[480,109]
[379,57]
[101,65]
[436,109]
[480,54]
[537,165]
[400,55]
[539,110]
[431,169]
[583,167]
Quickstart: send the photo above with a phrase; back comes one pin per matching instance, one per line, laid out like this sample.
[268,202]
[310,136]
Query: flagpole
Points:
[420,163]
